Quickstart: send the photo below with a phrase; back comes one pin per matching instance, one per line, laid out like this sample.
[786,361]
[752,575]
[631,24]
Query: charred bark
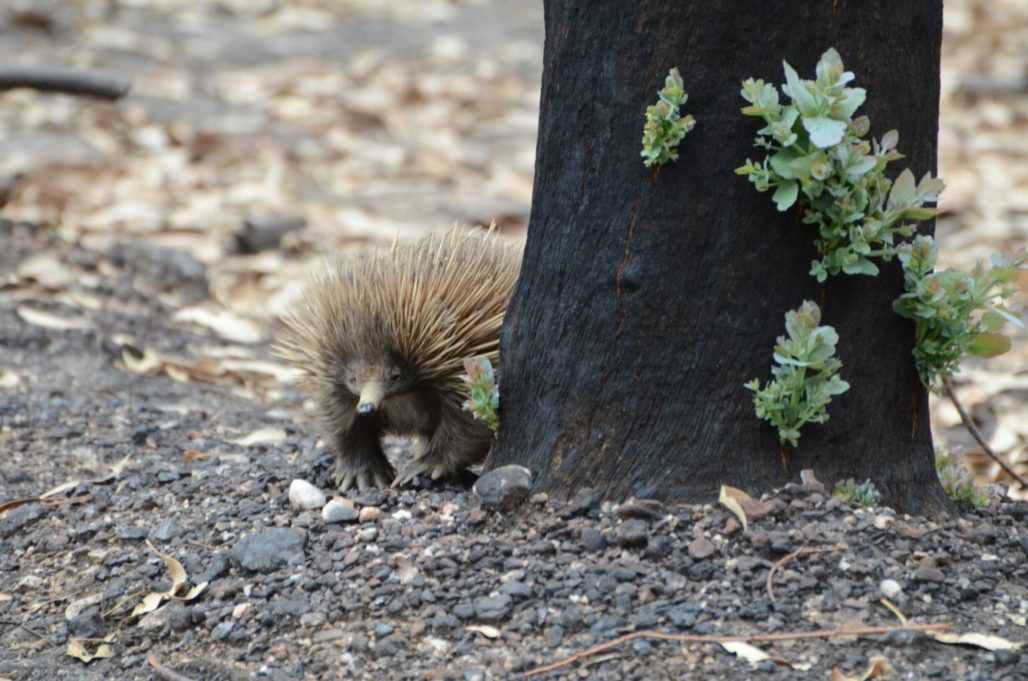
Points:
[647,299]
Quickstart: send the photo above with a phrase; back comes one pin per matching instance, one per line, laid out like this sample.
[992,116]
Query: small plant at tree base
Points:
[958,481]
[805,378]
[955,313]
[863,494]
[817,156]
[665,127]
[483,391]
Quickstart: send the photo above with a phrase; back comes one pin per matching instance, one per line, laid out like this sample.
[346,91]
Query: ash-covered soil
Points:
[417,584]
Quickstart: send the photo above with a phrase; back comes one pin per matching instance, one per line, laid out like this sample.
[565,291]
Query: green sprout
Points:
[958,481]
[665,127]
[864,494]
[483,391]
[955,313]
[818,157]
[805,378]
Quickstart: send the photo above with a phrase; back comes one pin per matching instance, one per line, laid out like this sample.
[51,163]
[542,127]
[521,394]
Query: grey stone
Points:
[503,488]
[592,539]
[633,533]
[702,548]
[492,608]
[269,550]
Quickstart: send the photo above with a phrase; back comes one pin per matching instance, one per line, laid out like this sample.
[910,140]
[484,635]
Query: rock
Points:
[645,509]
[221,632]
[269,550]
[584,501]
[382,630]
[166,531]
[156,620]
[87,624]
[592,539]
[305,496]
[337,512]
[633,533]
[891,589]
[18,519]
[701,548]
[503,488]
[369,514]
[133,533]
[492,608]
[367,534]
[313,619]
[927,573]
[180,617]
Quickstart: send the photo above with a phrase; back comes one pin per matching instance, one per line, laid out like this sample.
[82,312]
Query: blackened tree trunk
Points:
[647,299]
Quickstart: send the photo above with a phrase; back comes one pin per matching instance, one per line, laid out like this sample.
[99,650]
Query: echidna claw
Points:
[347,477]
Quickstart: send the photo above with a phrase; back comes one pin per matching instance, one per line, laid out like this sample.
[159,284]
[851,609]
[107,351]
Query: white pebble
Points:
[891,589]
[305,496]
[336,511]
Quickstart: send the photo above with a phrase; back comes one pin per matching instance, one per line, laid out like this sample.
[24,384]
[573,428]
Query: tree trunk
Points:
[647,298]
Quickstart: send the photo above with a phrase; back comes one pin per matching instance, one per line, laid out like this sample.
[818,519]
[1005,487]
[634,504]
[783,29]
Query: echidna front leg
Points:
[360,461]
[458,441]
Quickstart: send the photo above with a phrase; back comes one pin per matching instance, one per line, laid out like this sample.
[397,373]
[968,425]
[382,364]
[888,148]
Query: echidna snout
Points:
[373,382]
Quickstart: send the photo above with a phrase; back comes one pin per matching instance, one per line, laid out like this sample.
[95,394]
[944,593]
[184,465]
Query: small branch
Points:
[755,638]
[163,672]
[977,434]
[66,81]
[777,566]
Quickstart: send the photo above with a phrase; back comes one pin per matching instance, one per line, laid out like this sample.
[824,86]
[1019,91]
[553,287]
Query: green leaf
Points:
[904,191]
[989,345]
[889,140]
[805,101]
[862,266]
[824,132]
[786,195]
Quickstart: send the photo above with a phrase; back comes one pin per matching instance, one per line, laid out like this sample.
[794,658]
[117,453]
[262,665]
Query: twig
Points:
[777,566]
[977,434]
[755,638]
[66,81]
[165,673]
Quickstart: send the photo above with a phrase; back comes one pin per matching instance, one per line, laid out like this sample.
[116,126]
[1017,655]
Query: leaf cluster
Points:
[483,391]
[958,481]
[863,494]
[665,127]
[818,156]
[955,313]
[804,378]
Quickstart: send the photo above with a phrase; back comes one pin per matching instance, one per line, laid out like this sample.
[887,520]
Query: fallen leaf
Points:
[193,593]
[77,648]
[46,270]
[727,499]
[178,575]
[484,630]
[49,321]
[261,436]
[986,641]
[878,668]
[222,322]
[150,602]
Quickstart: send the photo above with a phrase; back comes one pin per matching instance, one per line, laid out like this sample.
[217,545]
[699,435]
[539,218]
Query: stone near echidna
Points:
[380,341]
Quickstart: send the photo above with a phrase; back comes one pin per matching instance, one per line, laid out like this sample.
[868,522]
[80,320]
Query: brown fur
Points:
[393,328]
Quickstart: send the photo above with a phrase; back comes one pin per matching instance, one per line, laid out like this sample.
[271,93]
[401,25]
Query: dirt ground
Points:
[147,246]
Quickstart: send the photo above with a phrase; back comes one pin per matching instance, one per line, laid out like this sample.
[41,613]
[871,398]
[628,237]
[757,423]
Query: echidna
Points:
[380,340]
